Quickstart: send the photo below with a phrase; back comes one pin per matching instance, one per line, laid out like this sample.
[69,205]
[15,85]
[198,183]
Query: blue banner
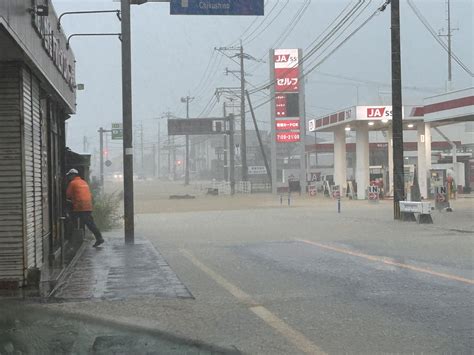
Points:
[217,7]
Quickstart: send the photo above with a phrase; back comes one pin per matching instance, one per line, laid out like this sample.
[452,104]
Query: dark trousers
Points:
[86,219]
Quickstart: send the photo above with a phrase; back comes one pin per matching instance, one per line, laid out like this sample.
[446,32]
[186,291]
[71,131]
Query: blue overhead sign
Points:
[217,7]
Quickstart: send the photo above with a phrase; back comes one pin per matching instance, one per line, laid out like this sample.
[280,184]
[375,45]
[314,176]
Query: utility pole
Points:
[397,124]
[127,122]
[186,100]
[450,73]
[243,132]
[154,160]
[226,168]
[171,149]
[101,159]
[84,144]
[158,171]
[243,144]
[102,153]
[262,149]
[449,35]
[231,154]
[141,149]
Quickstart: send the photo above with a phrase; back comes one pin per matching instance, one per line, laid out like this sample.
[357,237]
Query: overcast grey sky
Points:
[171,54]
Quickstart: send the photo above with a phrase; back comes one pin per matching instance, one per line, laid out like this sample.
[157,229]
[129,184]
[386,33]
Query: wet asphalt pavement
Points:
[278,280]
[25,329]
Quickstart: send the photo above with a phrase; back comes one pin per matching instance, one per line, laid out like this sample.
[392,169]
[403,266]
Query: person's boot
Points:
[98,242]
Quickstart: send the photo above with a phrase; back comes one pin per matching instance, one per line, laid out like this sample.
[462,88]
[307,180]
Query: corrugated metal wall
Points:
[33,170]
[11,210]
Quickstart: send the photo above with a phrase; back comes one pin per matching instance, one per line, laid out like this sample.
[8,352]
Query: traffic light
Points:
[179,162]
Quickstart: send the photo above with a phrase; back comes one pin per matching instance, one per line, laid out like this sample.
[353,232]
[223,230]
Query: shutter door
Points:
[29,177]
[11,210]
[37,171]
[33,170]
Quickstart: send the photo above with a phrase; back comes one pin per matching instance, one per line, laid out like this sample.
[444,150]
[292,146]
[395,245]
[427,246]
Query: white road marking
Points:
[388,262]
[292,335]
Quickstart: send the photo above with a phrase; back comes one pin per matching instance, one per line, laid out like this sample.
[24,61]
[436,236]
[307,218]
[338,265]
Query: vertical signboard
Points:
[287,111]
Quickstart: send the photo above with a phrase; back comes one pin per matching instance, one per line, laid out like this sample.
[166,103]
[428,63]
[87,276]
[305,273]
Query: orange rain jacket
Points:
[79,193]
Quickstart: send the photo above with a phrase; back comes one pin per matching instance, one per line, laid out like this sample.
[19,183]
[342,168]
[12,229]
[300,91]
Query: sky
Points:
[175,56]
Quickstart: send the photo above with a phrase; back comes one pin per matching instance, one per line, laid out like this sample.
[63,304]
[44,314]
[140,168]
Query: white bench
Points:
[416,211]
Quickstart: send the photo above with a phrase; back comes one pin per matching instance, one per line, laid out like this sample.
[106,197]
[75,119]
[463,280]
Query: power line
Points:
[268,25]
[436,37]
[311,69]
[253,22]
[244,38]
[326,38]
[293,23]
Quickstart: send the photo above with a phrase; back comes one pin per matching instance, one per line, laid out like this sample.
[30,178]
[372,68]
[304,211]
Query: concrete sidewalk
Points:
[118,271]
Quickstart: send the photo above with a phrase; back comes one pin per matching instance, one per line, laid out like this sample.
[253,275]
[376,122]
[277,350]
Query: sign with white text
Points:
[117,131]
[287,137]
[217,7]
[287,125]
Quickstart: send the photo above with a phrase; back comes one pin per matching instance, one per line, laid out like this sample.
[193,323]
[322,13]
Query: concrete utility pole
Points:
[450,72]
[142,149]
[243,132]
[84,144]
[187,100]
[226,168]
[154,159]
[449,35]
[102,153]
[243,143]
[231,154]
[171,148]
[262,149]
[158,170]
[101,159]
[397,124]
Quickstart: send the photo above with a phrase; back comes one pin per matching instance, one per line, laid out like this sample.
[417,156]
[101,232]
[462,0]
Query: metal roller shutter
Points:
[37,170]
[11,210]
[33,173]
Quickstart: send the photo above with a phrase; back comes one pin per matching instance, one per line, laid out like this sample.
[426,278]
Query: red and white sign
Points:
[286,73]
[280,105]
[373,193]
[287,137]
[286,58]
[287,125]
[287,80]
[376,113]
[286,70]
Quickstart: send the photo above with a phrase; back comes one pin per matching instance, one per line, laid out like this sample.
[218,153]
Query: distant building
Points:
[207,154]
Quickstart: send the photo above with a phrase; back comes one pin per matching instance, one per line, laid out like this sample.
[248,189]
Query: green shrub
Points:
[107,209]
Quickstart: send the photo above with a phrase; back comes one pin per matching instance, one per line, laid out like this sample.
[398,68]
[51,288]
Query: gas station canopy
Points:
[449,108]
[375,117]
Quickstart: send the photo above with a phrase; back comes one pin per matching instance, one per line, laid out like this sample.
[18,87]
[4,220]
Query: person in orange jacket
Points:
[80,195]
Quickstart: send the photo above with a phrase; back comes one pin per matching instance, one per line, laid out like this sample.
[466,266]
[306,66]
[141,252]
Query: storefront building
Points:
[37,96]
